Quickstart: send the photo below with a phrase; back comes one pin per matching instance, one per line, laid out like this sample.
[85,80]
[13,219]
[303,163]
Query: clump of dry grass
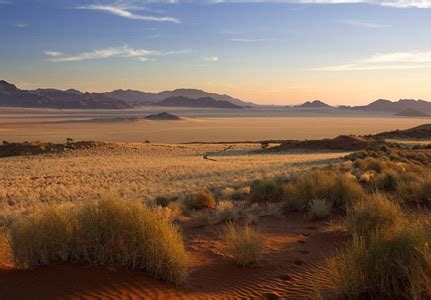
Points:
[388,264]
[121,234]
[244,244]
[338,189]
[416,191]
[227,211]
[266,190]
[319,209]
[200,200]
[374,212]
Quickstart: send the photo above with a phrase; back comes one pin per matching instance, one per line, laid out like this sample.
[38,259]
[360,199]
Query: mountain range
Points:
[12,96]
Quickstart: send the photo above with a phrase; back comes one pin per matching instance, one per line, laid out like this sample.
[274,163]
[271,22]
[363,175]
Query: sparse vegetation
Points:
[319,209]
[338,189]
[200,200]
[121,234]
[375,212]
[266,190]
[388,264]
[244,244]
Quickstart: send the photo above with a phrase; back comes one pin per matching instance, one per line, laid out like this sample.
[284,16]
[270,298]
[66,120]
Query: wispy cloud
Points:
[125,11]
[21,25]
[243,40]
[210,59]
[364,24]
[391,3]
[125,51]
[386,61]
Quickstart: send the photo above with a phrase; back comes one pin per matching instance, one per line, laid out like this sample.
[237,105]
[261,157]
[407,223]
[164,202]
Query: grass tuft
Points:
[244,244]
[114,233]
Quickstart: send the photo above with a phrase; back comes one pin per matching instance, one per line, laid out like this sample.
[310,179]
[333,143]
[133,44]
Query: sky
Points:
[269,52]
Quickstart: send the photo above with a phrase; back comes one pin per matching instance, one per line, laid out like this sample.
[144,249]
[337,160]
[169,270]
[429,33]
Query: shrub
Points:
[226,211]
[375,165]
[373,213]
[200,200]
[244,244]
[110,232]
[386,181]
[389,264]
[266,190]
[338,190]
[319,209]
[162,201]
[416,191]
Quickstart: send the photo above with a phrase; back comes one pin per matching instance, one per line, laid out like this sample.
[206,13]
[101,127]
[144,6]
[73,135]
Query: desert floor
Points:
[57,125]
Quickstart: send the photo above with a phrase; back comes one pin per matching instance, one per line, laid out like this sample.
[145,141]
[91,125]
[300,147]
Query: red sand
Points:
[293,267]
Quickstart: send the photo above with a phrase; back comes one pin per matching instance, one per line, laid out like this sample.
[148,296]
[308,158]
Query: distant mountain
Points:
[10,95]
[314,104]
[411,112]
[205,102]
[383,105]
[138,97]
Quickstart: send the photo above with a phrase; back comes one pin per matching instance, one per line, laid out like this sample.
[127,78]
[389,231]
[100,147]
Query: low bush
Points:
[373,213]
[227,211]
[200,200]
[120,234]
[389,264]
[266,190]
[319,209]
[244,244]
[339,190]
[416,191]
[387,181]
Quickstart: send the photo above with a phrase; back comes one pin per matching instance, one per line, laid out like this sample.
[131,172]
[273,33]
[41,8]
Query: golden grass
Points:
[137,171]
[199,200]
[115,233]
[244,244]
[387,264]
[374,212]
[338,189]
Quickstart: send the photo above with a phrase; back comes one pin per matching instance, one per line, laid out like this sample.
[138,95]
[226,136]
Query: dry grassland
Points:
[141,171]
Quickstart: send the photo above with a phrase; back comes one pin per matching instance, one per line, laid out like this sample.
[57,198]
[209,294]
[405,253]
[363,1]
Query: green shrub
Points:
[244,244]
[200,200]
[266,190]
[389,264]
[338,190]
[113,233]
[373,213]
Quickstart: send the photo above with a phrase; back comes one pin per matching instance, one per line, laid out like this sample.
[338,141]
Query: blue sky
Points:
[280,52]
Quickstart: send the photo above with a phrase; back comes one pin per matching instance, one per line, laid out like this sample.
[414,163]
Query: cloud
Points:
[390,3]
[21,25]
[125,51]
[242,40]
[364,24]
[210,59]
[126,12]
[386,61]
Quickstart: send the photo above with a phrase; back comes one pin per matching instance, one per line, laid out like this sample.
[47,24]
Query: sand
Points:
[293,267]
[56,126]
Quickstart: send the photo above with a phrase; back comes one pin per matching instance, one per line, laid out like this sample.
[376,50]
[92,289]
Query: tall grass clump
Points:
[266,190]
[244,244]
[200,200]
[388,264]
[372,213]
[319,209]
[338,189]
[114,233]
[417,191]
